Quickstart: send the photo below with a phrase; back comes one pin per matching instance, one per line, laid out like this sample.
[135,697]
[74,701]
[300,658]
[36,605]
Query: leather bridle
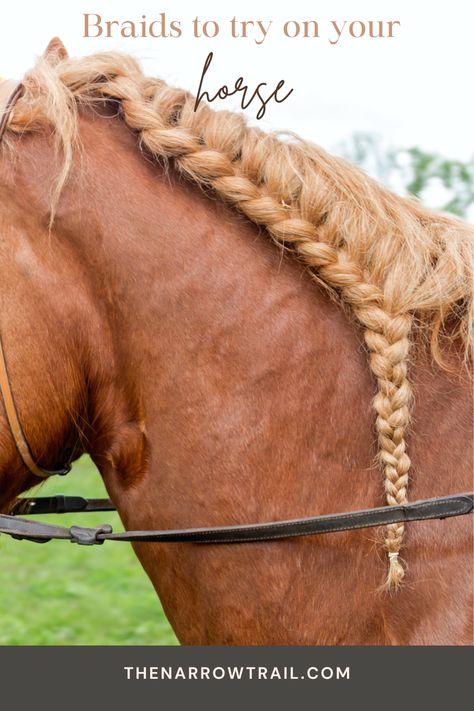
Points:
[20,528]
[16,428]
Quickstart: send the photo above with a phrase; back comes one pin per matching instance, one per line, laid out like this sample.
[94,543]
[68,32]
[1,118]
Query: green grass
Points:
[59,593]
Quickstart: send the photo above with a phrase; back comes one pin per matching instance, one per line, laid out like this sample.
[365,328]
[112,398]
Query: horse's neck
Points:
[198,331]
[41,307]
[205,337]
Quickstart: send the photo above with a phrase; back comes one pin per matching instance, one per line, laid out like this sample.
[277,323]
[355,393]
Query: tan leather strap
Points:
[15,425]
[14,422]
[10,92]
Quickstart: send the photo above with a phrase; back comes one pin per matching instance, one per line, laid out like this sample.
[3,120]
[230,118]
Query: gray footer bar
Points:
[226,678]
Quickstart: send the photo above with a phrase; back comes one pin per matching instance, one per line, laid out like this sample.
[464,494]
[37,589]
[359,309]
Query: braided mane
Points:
[404,270]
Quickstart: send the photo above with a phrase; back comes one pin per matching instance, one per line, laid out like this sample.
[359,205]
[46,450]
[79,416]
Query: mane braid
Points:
[404,270]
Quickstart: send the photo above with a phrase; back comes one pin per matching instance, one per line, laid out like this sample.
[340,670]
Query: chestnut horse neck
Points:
[10,92]
[246,397]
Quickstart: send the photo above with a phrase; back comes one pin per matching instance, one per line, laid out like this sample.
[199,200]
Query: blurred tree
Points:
[437,181]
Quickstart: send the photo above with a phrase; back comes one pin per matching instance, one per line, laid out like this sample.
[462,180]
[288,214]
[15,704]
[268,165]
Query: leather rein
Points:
[26,529]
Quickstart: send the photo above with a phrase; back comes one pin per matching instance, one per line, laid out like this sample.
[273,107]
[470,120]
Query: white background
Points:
[414,89]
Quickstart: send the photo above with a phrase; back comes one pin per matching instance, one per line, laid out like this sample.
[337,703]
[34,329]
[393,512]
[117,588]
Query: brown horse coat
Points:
[214,383]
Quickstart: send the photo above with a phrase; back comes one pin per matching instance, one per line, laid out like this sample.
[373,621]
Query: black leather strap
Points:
[59,504]
[442,507]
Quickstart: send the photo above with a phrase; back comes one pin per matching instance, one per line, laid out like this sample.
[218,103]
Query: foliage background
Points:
[439,182]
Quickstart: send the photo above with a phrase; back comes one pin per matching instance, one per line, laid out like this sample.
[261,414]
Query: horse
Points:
[237,327]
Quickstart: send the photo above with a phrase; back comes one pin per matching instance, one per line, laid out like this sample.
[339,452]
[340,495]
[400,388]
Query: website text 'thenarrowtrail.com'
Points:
[235,673]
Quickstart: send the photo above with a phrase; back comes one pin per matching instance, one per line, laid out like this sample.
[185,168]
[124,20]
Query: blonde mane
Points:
[404,270]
